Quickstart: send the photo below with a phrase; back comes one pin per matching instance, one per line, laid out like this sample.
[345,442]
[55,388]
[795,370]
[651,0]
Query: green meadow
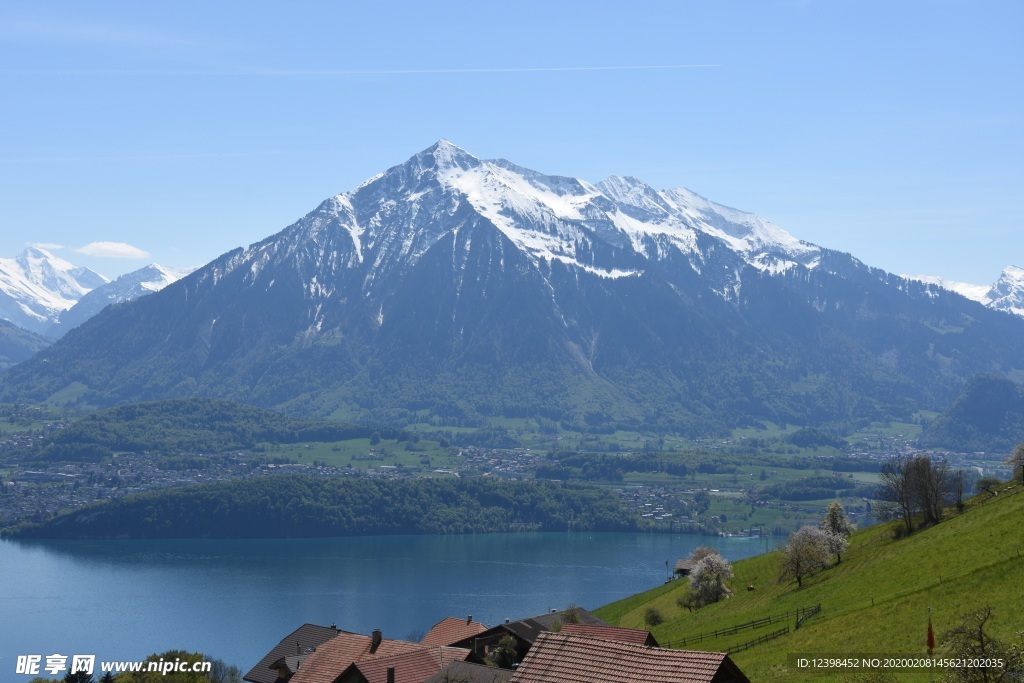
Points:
[875,602]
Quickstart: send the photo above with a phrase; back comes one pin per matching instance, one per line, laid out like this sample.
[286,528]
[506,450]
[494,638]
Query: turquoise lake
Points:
[235,599]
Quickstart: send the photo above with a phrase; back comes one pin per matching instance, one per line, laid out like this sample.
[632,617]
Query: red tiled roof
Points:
[623,635]
[338,653]
[299,642]
[559,658]
[410,667]
[451,630]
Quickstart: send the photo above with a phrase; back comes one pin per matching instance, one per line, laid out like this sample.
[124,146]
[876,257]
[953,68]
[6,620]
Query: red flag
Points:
[931,635]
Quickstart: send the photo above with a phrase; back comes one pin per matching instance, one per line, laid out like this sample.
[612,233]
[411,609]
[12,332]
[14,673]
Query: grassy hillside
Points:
[875,602]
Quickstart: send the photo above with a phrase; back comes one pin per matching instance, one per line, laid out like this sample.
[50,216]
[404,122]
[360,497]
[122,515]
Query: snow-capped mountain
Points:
[454,289]
[145,280]
[45,294]
[1007,294]
[36,286]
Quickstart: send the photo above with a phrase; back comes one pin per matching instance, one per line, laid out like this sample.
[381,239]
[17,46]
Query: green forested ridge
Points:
[17,344]
[299,506]
[196,425]
[874,602]
[988,415]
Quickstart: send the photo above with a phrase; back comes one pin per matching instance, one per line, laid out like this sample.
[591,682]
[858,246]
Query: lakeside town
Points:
[705,500]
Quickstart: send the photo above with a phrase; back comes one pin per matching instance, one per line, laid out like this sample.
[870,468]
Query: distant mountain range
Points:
[455,290]
[36,286]
[145,280]
[47,295]
[1007,294]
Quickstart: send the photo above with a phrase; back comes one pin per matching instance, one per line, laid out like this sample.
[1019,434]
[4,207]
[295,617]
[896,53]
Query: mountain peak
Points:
[33,256]
[473,289]
[1015,273]
[444,155]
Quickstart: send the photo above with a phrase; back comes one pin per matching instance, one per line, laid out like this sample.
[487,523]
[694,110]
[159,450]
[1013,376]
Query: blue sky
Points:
[892,130]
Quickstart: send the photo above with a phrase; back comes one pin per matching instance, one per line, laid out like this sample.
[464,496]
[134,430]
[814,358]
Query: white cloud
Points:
[112,250]
[49,246]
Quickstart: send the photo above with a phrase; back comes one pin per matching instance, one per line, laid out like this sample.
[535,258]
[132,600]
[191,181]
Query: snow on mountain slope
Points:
[36,286]
[964,289]
[609,229]
[1007,294]
[146,280]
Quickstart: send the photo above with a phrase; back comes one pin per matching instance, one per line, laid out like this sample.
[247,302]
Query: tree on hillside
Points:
[894,496]
[807,550]
[971,644]
[1016,460]
[909,487]
[931,481]
[700,552]
[986,485]
[836,522]
[707,579]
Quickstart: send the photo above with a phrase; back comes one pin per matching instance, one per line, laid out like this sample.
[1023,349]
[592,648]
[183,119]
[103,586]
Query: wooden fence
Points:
[732,649]
[801,614]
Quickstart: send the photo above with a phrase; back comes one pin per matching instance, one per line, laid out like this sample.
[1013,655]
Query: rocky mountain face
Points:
[455,290]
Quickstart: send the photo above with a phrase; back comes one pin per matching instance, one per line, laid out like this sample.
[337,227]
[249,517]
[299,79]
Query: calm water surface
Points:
[236,599]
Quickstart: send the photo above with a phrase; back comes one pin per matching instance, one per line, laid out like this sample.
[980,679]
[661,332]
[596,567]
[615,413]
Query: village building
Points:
[451,630]
[284,659]
[525,631]
[561,658]
[415,666]
[635,636]
[571,646]
[683,567]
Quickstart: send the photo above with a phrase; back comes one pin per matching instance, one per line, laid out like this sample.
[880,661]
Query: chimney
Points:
[506,620]
[375,640]
[391,674]
[469,618]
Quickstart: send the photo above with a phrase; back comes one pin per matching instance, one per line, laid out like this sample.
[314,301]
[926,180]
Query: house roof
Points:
[299,642]
[684,565]
[410,667]
[623,635]
[528,629]
[467,672]
[451,630]
[572,615]
[561,658]
[334,656]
